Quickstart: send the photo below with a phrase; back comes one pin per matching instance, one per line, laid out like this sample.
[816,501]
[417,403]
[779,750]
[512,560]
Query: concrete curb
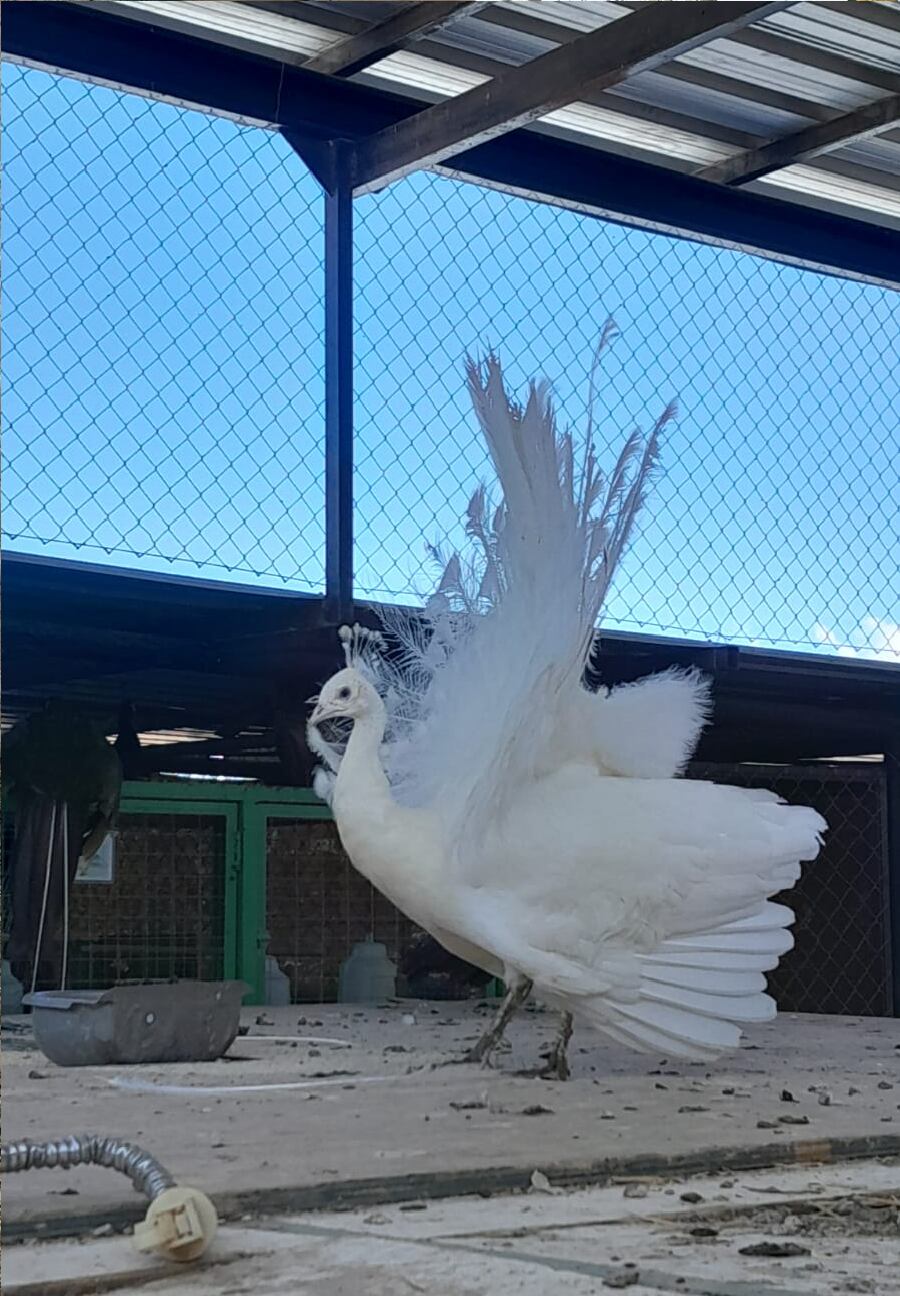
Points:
[390,1190]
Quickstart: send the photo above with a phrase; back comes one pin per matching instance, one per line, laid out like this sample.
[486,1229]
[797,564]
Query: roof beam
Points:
[803,145]
[165,64]
[383,38]
[797,50]
[704,78]
[636,43]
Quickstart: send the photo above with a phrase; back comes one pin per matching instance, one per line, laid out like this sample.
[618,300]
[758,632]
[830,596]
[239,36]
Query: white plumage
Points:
[536,829]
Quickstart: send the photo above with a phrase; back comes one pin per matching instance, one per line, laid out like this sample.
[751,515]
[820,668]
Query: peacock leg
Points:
[515,997]
[557,1067]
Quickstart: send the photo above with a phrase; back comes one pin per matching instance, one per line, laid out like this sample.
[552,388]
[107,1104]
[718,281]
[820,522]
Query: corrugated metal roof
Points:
[805,64]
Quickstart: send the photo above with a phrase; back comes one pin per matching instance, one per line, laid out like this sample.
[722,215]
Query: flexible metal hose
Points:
[144,1171]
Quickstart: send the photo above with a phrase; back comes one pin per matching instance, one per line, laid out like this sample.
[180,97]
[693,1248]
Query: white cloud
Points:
[874,637]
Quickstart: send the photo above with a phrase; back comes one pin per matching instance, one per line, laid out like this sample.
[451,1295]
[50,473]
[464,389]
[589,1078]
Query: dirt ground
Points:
[324,1107]
[799,1232]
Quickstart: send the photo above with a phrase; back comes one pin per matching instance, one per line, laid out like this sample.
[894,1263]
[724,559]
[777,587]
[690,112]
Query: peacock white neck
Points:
[397,849]
[361,788]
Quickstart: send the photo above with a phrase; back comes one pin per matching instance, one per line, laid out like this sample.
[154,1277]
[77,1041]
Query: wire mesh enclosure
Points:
[773,517]
[165,376]
[841,961]
[319,907]
[163,914]
[164,354]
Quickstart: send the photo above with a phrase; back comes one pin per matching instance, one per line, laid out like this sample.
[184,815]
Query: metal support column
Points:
[339,393]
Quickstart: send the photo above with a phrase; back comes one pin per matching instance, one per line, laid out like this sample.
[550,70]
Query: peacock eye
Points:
[344,693]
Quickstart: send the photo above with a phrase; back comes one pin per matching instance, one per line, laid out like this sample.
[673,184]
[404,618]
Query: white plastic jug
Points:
[278,984]
[367,974]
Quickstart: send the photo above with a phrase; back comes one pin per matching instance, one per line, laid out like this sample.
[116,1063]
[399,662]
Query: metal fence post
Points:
[339,391]
[252,938]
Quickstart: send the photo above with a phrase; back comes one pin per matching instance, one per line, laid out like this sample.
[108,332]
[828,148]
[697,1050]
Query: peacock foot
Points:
[556,1057]
[557,1066]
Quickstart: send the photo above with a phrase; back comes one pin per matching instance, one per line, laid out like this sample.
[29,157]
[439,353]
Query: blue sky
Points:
[164,377]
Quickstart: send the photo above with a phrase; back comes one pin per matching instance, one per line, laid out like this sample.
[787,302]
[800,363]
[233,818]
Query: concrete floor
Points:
[291,1122]
[651,1236]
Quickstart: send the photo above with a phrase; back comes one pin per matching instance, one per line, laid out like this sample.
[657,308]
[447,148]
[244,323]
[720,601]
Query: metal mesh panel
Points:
[318,907]
[163,320]
[163,915]
[841,960]
[774,520]
[164,368]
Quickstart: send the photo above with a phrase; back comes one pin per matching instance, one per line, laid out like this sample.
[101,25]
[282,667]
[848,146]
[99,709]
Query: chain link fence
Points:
[165,376]
[163,324]
[164,370]
[774,520]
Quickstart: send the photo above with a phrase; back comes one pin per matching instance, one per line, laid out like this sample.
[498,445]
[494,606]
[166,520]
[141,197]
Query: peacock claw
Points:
[557,1068]
[556,1057]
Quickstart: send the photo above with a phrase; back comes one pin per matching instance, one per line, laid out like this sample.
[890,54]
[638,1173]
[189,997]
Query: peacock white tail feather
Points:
[515,622]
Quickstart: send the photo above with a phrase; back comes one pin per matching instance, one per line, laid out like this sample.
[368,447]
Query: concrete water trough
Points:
[182,1021]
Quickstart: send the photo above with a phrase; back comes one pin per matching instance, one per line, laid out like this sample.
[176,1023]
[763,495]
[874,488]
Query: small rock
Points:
[619,1281]
[263,1020]
[607,1115]
[766,1124]
[536,1110]
[691,1197]
[793,1120]
[885,1084]
[691,1107]
[395,1048]
[824,1098]
[775,1250]
[727,1183]
[635,1190]
[704,1231]
[475,1105]
[806,1208]
[852,1090]
[413,1206]
[787,1096]
[36,1075]
[102,1230]
[541,1184]
[376,1219]
[408,1019]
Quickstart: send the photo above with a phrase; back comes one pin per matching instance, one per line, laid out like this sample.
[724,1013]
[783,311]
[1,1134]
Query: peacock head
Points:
[346,698]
